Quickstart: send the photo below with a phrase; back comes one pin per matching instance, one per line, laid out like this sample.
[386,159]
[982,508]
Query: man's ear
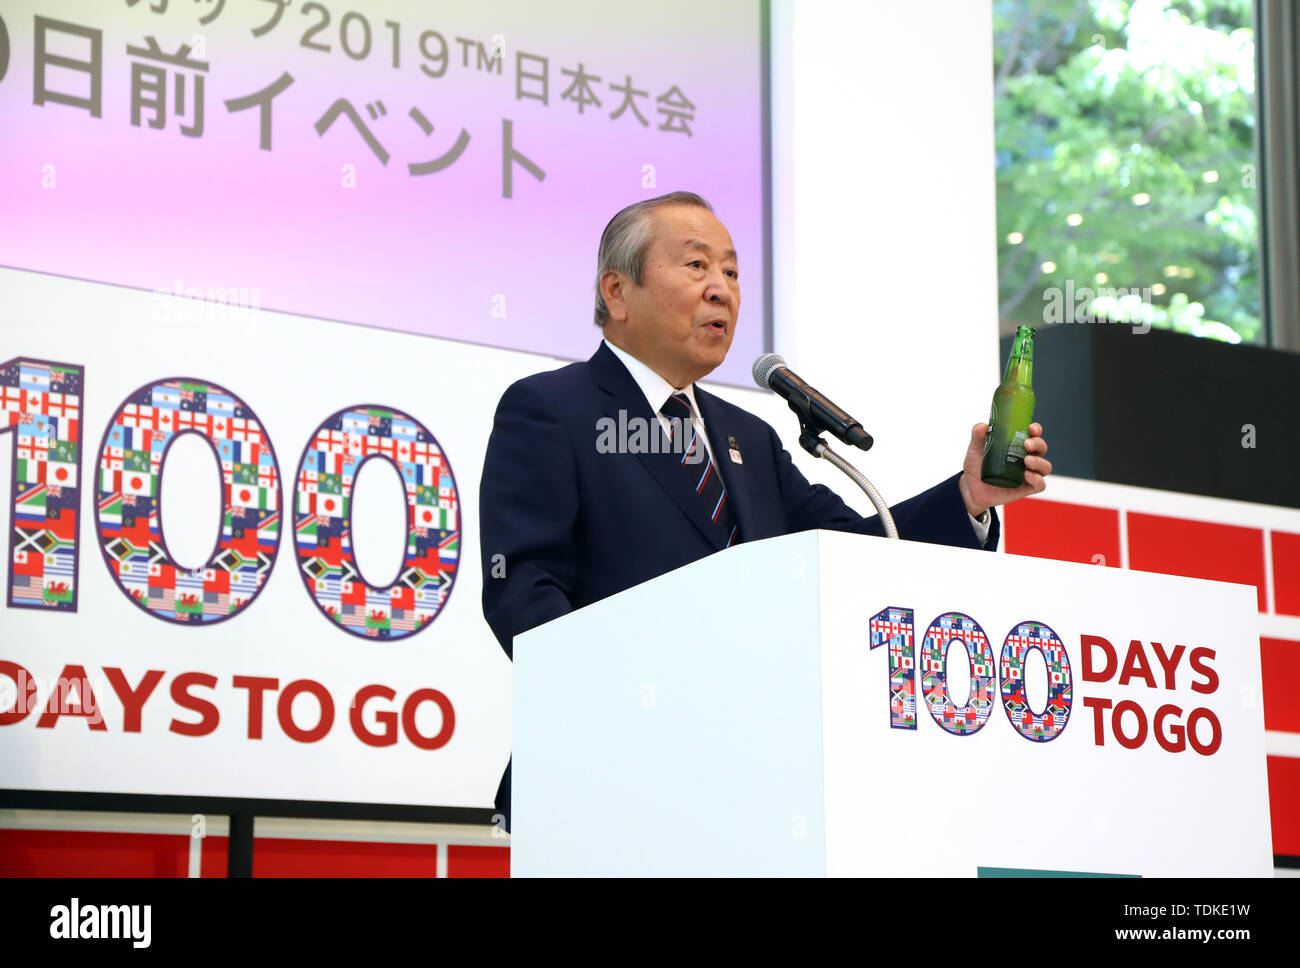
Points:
[613,289]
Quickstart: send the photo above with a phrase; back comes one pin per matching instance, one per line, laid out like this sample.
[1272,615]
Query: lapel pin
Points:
[734,449]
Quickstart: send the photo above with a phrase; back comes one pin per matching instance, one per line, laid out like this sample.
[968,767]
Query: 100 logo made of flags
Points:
[41,403]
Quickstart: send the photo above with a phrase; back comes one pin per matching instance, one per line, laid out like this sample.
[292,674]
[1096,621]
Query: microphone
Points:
[771,373]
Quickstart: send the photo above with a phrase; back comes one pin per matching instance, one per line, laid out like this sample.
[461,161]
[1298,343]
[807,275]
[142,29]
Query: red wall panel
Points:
[216,857]
[475,861]
[284,857]
[1197,549]
[1066,532]
[1280,668]
[1283,796]
[1286,573]
[79,853]
[76,853]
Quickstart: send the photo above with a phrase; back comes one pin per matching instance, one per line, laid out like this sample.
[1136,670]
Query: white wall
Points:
[884,225]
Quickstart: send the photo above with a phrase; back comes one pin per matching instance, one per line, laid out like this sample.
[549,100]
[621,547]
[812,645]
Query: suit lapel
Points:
[623,394]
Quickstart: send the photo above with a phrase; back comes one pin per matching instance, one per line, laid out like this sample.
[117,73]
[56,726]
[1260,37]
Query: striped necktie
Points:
[703,474]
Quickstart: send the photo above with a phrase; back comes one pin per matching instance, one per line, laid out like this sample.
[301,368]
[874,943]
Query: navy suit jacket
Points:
[573,525]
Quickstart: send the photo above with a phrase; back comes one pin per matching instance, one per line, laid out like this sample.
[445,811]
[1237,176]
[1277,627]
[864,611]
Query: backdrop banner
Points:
[444,170]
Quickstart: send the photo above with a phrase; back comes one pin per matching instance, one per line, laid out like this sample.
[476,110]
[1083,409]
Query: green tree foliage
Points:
[1125,158]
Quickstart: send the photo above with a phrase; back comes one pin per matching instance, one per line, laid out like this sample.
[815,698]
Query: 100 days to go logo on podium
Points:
[1128,720]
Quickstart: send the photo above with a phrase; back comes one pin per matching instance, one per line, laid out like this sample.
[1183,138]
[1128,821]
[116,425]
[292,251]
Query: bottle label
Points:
[1016,448]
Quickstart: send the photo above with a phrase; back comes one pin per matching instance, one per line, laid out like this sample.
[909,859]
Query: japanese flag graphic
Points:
[137,482]
[427,516]
[60,474]
[329,505]
[248,496]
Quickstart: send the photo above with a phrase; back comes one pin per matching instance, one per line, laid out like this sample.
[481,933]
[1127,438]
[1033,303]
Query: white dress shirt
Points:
[657,390]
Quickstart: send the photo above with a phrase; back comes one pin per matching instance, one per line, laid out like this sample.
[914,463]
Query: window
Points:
[1126,172]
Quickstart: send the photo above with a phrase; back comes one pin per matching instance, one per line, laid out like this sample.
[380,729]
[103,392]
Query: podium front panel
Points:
[1157,768]
[675,728]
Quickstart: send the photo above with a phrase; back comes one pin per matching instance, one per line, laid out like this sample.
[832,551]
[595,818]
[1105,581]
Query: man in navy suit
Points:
[581,498]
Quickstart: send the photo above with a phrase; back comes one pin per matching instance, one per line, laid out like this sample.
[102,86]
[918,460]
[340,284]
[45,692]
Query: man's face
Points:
[680,321]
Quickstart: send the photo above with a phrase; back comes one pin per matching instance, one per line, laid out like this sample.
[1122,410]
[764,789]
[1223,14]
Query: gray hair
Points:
[625,243]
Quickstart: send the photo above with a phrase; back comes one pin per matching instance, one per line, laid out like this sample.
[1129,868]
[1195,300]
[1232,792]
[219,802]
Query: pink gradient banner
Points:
[437,169]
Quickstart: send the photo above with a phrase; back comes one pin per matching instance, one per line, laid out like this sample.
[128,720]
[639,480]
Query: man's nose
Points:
[718,290]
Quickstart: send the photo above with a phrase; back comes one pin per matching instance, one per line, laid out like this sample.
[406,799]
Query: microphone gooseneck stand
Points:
[811,442]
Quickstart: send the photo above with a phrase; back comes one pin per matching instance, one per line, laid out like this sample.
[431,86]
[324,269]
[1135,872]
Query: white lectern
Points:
[1016,715]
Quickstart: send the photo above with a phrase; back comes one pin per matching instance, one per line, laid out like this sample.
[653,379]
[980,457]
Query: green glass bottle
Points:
[1012,413]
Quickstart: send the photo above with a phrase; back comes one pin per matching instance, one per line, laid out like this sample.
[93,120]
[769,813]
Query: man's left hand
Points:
[980,496]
